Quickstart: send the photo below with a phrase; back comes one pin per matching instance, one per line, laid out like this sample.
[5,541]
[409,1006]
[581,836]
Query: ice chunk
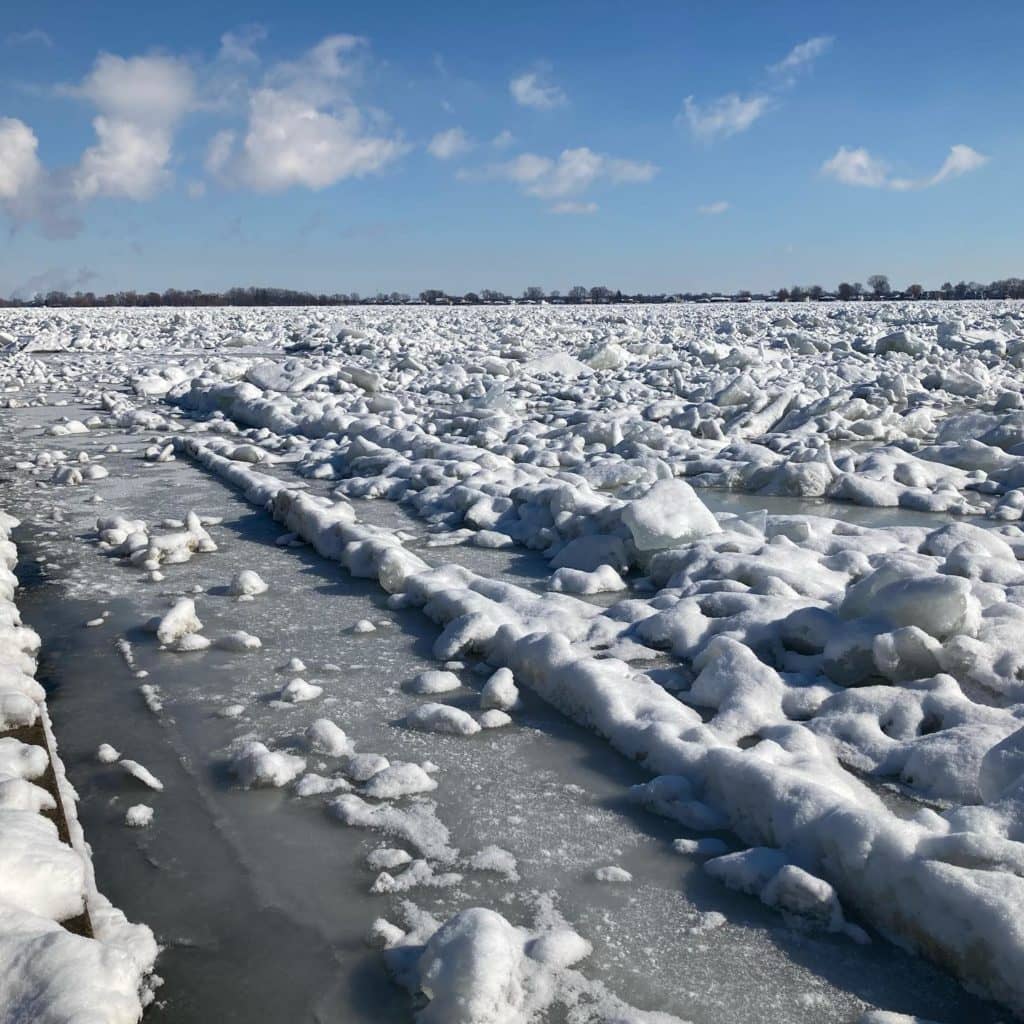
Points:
[143,774]
[398,780]
[434,681]
[442,718]
[471,971]
[500,691]
[139,816]
[668,515]
[179,621]
[255,765]
[298,691]
[248,583]
[326,737]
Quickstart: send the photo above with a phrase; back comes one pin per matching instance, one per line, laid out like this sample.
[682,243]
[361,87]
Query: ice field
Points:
[476,666]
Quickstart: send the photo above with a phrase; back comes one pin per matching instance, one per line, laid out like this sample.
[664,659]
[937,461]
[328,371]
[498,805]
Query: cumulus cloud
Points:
[304,128]
[140,102]
[19,164]
[725,116]
[291,143]
[532,89]
[28,194]
[720,206]
[802,56]
[859,168]
[503,139]
[449,144]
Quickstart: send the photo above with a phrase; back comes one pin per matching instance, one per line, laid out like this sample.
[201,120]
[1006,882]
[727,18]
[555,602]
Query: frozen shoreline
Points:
[102,969]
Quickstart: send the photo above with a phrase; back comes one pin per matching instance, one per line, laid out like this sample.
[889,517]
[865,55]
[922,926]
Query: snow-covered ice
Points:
[771,555]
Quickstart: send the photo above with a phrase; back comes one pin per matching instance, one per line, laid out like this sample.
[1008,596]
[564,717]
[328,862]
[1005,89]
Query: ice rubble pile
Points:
[477,968]
[846,700]
[48,974]
[815,647]
[858,404]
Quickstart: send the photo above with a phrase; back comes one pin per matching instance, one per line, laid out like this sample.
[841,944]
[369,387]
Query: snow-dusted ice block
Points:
[668,515]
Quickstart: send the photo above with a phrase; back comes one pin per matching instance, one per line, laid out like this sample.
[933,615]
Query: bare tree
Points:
[879,284]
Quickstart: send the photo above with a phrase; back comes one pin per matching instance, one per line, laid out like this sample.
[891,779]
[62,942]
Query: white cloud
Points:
[304,128]
[128,161]
[725,116]
[144,89]
[859,168]
[720,206]
[324,73]
[733,113]
[503,139]
[802,56]
[449,144]
[562,179]
[28,194]
[140,100]
[961,160]
[574,207]
[240,47]
[531,89]
[19,165]
[291,143]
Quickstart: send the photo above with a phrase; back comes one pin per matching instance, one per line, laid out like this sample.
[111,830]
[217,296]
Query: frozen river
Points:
[263,898]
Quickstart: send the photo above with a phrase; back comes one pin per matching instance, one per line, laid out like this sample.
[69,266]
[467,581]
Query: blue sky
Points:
[398,146]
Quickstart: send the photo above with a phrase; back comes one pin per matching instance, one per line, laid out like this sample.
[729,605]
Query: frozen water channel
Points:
[261,899]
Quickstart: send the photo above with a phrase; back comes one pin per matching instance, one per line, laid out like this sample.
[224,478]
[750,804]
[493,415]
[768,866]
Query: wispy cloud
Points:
[725,116]
[565,178]
[533,89]
[802,56]
[715,208]
[57,279]
[857,167]
[449,144]
[734,112]
[33,37]
[239,47]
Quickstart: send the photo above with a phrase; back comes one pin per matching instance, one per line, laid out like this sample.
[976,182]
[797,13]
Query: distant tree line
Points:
[878,288]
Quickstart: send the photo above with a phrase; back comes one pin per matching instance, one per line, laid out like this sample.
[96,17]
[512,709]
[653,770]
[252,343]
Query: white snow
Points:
[255,765]
[139,816]
[248,583]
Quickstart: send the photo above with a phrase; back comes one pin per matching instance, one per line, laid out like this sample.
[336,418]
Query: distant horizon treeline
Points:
[878,288]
